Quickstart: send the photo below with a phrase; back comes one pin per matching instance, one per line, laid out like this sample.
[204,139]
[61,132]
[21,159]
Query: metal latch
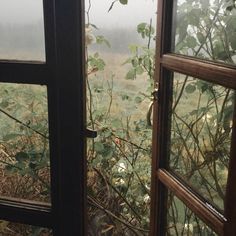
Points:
[150,107]
[89,133]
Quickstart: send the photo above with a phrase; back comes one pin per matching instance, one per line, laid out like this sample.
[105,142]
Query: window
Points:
[194,125]
[193,153]
[57,76]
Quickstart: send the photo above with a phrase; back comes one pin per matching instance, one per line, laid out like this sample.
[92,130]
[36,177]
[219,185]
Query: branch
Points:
[25,125]
[94,203]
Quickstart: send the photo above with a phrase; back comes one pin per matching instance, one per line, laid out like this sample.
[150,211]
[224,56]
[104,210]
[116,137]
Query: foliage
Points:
[201,120]
[119,159]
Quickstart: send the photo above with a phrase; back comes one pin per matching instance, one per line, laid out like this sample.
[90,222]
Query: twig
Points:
[25,125]
[93,202]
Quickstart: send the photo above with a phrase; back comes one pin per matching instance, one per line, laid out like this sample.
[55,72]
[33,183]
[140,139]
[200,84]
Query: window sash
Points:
[225,75]
[63,74]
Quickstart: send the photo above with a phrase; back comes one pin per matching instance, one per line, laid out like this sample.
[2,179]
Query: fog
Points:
[134,12]
[20,11]
[22,26]
[119,25]
[29,11]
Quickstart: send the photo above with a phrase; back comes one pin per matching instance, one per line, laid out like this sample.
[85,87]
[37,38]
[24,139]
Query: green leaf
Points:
[9,168]
[139,70]
[124,2]
[191,41]
[32,165]
[116,123]
[125,97]
[200,37]
[135,62]
[133,48]
[98,147]
[147,62]
[131,75]
[94,26]
[21,156]
[190,88]
[107,133]
[4,104]
[138,99]
[193,19]
[101,39]
[141,27]
[10,136]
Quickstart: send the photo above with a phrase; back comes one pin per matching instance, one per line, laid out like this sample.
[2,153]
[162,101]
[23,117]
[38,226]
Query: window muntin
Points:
[24,145]
[22,30]
[205,29]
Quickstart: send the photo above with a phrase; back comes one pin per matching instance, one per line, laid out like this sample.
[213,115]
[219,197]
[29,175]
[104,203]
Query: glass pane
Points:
[181,221]
[201,135]
[22,30]
[24,146]
[16,229]
[206,29]
[120,64]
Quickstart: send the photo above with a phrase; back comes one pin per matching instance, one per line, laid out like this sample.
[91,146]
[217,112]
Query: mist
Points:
[120,16]
[22,25]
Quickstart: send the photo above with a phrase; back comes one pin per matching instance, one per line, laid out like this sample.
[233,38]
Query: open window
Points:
[193,125]
[194,119]
[42,164]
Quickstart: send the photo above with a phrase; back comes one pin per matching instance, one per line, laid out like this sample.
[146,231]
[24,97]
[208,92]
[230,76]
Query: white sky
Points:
[135,12]
[30,11]
[21,11]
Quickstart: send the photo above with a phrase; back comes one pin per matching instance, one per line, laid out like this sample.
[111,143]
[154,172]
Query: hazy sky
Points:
[121,15]
[20,11]
[30,11]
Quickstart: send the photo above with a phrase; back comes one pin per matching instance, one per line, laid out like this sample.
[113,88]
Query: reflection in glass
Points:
[24,146]
[206,29]
[22,30]
[15,229]
[181,221]
[201,128]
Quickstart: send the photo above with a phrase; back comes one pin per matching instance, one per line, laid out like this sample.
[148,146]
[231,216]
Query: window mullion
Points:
[12,72]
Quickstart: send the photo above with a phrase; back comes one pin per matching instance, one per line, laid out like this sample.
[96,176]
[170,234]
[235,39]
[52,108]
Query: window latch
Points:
[150,107]
[89,133]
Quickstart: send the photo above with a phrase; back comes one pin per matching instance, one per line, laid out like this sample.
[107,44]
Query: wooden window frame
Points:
[162,179]
[63,74]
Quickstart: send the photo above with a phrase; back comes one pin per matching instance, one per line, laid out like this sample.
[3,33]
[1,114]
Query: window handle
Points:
[89,133]
[150,107]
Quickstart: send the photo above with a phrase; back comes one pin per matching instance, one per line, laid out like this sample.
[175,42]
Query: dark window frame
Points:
[162,179]
[63,73]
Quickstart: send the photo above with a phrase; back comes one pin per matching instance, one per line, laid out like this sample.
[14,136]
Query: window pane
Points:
[14,229]
[24,146]
[182,221]
[22,30]
[201,135]
[206,29]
